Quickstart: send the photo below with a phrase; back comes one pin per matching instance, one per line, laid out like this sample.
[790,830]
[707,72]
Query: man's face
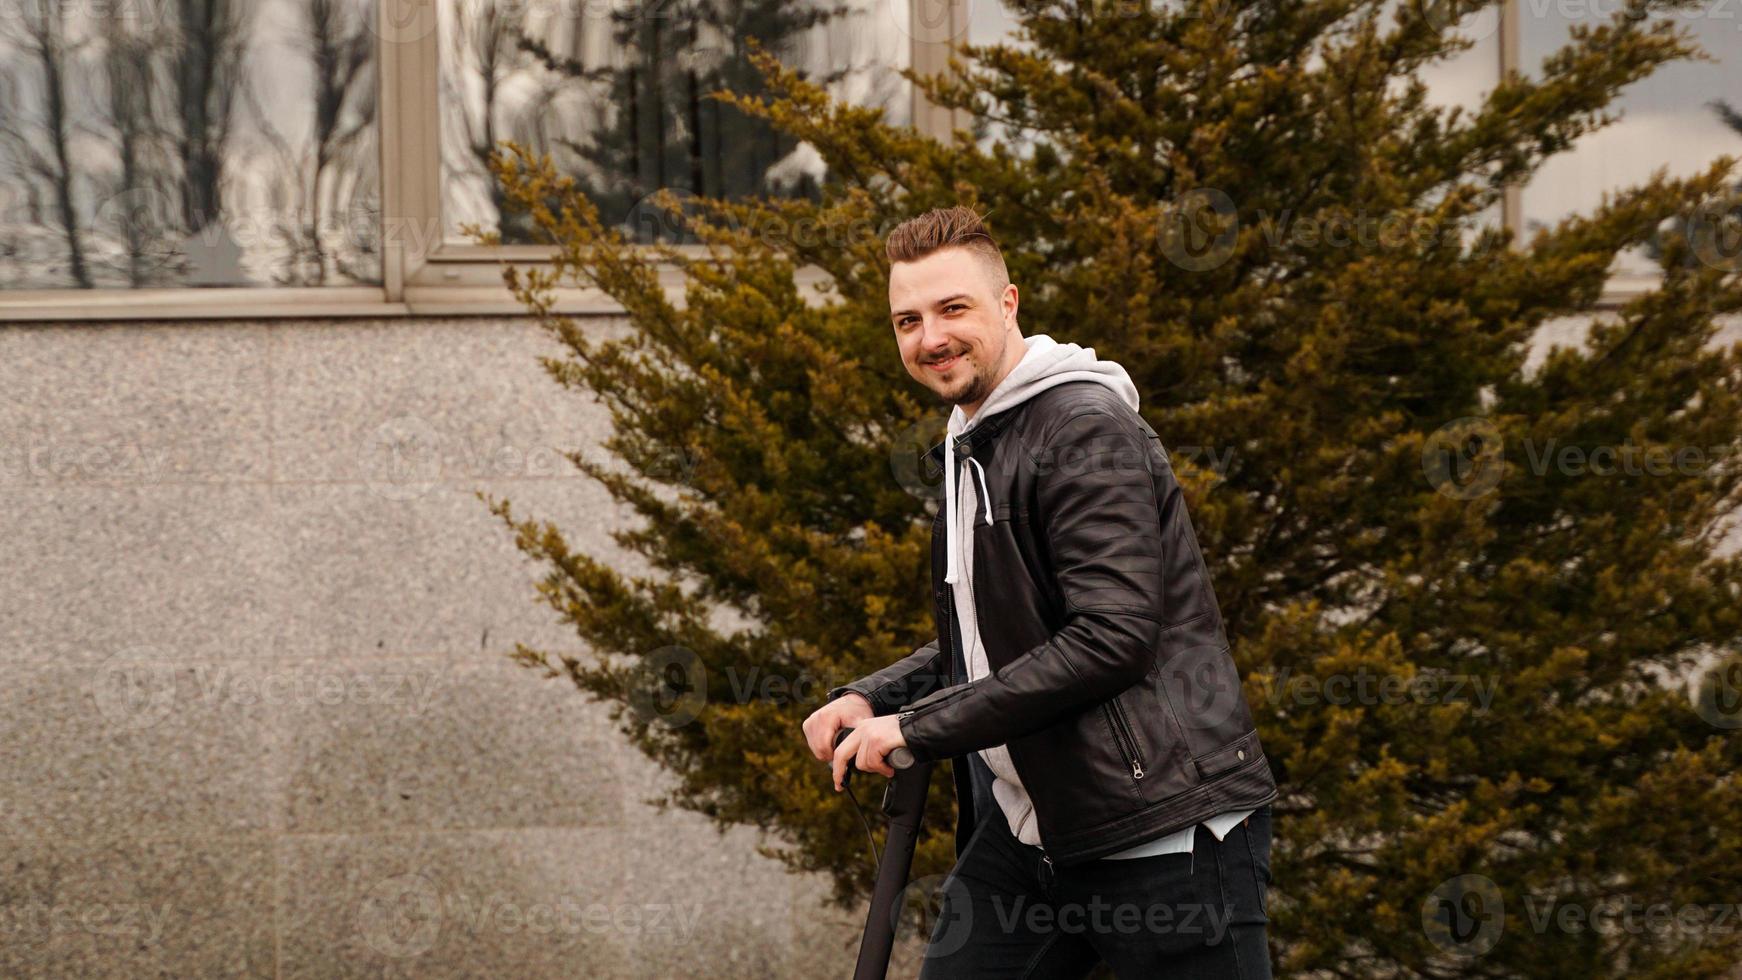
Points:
[954,335]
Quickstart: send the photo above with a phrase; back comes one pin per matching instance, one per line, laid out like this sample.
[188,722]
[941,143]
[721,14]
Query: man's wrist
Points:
[903,720]
[841,692]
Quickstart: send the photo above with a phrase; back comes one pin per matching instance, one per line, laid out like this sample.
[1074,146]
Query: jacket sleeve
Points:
[1103,527]
[901,683]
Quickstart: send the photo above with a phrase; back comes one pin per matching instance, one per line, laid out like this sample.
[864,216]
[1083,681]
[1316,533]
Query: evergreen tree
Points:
[1466,589]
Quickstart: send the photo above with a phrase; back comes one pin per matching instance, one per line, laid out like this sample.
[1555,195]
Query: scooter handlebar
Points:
[898,758]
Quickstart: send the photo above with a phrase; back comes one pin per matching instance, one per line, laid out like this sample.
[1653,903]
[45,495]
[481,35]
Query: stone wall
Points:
[259,719]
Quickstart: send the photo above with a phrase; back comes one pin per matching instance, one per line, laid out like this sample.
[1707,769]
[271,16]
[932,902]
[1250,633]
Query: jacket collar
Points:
[968,442]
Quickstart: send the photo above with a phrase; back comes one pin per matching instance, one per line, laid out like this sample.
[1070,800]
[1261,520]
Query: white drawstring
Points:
[952,535]
[984,494]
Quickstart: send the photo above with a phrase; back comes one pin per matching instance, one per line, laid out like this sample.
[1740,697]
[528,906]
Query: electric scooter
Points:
[904,805]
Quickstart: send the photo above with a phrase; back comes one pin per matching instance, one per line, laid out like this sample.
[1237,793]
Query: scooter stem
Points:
[904,804]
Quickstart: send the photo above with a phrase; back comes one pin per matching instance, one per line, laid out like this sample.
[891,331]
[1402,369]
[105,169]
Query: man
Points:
[1113,799]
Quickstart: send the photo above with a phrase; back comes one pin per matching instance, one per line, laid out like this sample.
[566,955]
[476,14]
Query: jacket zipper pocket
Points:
[1128,744]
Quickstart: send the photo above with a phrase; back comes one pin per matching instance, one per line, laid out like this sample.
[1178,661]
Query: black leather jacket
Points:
[1112,683]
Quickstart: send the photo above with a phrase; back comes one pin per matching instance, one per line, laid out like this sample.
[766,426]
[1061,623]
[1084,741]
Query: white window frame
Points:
[425,275]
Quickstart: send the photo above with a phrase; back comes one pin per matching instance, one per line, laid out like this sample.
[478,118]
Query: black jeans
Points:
[1008,912]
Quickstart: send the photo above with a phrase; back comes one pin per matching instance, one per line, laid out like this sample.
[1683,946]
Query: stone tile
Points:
[527,904]
[133,404]
[749,917]
[137,908]
[446,743]
[138,748]
[404,405]
[656,898]
[436,574]
[188,571]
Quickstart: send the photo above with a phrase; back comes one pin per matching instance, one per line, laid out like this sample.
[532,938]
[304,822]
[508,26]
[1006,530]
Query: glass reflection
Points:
[188,143]
[617,93]
[1683,116]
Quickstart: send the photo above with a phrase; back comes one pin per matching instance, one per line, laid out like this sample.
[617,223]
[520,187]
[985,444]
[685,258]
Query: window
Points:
[188,143]
[1676,117]
[617,94]
[1465,81]
[1466,78]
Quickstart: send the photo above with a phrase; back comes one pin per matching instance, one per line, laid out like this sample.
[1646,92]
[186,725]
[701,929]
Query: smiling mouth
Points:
[944,364]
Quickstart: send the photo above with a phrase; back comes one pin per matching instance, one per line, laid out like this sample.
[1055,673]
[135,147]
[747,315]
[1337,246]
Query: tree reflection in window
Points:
[617,94]
[1674,118]
[188,143]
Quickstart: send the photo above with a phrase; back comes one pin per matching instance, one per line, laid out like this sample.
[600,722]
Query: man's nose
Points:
[933,341]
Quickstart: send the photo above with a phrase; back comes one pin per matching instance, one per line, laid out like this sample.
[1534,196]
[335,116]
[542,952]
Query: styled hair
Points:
[953,227]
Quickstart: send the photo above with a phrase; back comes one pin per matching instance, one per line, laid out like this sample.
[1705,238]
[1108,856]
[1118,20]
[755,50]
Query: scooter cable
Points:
[876,859]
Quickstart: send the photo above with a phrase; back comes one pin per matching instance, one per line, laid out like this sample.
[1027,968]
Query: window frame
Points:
[422,274]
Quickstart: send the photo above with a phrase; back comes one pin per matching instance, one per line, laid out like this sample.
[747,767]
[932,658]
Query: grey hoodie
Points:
[1046,363]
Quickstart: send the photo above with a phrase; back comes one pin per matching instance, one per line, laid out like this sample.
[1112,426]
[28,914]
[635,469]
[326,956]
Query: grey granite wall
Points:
[257,718]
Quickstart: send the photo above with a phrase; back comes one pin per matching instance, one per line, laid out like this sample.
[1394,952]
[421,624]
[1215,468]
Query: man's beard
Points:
[976,389]
[978,386]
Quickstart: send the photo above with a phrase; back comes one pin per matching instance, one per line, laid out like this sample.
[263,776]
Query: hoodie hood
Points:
[1046,363]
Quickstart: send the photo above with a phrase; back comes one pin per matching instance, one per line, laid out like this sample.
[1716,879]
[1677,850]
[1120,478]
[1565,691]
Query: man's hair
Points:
[955,227]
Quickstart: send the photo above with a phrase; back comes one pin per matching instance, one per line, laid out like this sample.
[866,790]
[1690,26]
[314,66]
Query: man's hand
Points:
[872,740]
[843,712]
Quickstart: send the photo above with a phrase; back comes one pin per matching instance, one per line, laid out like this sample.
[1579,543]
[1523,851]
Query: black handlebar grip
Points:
[899,757]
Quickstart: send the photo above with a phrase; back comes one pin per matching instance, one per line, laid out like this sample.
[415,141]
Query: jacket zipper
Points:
[1127,742]
[956,637]
[974,593]
[973,582]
